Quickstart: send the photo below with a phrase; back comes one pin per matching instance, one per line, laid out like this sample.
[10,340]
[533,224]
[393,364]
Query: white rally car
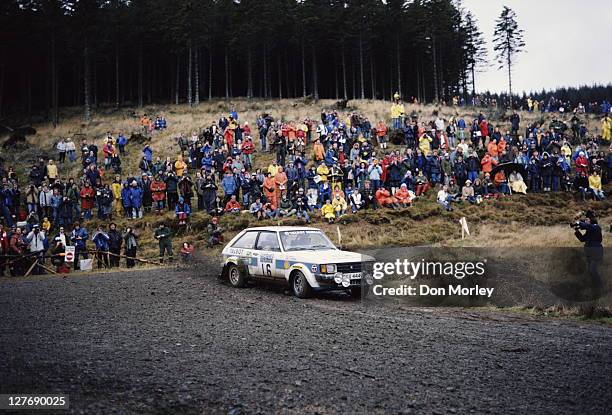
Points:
[303,257]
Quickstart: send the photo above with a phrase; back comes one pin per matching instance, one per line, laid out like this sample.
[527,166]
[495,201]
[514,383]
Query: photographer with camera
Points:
[36,243]
[215,232]
[593,248]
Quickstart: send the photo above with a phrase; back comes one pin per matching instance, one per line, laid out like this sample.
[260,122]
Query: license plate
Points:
[352,275]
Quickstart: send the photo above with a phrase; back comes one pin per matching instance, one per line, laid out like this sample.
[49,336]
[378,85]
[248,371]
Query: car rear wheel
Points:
[236,277]
[300,286]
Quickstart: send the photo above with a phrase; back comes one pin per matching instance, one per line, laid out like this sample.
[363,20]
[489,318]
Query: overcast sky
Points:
[568,43]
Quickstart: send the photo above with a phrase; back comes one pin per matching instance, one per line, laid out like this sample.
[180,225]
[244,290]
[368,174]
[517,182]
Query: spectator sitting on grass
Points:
[339,205]
[182,211]
[467,193]
[187,251]
[286,207]
[595,185]
[256,209]
[232,205]
[517,184]
[215,232]
[328,212]
[444,198]
[270,211]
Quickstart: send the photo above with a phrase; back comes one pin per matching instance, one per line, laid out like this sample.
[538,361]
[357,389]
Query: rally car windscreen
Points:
[305,240]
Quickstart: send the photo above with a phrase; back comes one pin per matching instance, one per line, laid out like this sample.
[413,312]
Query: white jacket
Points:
[36,241]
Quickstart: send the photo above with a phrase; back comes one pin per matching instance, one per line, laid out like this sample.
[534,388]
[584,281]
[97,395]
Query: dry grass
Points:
[183,119]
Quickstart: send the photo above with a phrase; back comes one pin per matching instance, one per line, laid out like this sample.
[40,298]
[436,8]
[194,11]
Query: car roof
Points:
[281,228]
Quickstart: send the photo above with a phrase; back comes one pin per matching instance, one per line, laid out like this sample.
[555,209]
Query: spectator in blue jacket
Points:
[434,167]
[136,200]
[473,167]
[461,128]
[182,211]
[121,143]
[147,153]
[533,170]
[125,200]
[56,200]
[229,185]
[101,240]
[78,237]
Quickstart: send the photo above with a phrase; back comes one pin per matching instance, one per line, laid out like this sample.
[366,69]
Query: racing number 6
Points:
[266,270]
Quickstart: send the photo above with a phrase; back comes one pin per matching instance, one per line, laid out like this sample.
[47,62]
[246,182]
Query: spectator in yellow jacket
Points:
[273,169]
[606,128]
[323,171]
[425,144]
[180,166]
[595,185]
[339,205]
[566,151]
[116,189]
[397,112]
[52,171]
[328,212]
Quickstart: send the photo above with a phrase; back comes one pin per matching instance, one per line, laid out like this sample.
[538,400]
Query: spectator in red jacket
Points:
[487,163]
[232,205]
[158,194]
[87,195]
[582,164]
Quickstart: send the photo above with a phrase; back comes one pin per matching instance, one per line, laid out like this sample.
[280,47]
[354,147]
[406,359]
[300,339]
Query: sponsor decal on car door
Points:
[268,250]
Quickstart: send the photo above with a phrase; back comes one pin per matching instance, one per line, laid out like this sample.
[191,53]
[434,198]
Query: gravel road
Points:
[176,341]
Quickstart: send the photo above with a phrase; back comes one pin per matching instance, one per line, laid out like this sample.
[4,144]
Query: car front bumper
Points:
[326,282]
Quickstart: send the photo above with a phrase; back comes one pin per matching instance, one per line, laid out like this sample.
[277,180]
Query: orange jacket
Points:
[232,204]
[269,186]
[318,150]
[501,146]
[381,129]
[402,195]
[383,197]
[499,178]
[492,148]
[487,163]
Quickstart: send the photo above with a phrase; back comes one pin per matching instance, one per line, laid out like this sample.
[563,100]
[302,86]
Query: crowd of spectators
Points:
[324,168]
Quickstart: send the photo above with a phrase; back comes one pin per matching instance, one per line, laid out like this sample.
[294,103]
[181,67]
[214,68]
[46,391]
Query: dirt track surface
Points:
[180,342]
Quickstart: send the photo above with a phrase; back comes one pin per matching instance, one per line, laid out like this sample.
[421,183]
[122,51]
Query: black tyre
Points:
[300,286]
[236,277]
[355,292]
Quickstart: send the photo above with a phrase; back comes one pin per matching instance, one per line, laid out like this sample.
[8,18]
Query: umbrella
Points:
[508,168]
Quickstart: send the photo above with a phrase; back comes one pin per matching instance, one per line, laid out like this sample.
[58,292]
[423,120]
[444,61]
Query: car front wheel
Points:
[300,286]
[236,277]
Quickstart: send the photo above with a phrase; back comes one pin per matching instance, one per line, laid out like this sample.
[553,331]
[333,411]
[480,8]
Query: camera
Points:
[574,225]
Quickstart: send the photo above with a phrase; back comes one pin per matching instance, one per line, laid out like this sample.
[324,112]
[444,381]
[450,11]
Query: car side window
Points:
[246,241]
[267,241]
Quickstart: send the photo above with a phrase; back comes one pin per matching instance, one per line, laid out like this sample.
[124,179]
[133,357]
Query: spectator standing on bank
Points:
[164,237]
[130,240]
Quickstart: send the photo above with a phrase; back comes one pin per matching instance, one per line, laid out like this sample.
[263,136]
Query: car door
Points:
[244,247]
[269,252]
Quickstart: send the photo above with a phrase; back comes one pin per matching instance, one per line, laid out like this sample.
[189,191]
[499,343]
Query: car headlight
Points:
[337,278]
[328,268]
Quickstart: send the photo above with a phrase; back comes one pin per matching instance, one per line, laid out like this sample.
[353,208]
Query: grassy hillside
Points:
[515,221]
[182,119]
